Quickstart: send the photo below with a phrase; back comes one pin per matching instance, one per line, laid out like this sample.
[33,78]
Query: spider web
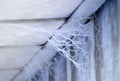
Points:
[73,45]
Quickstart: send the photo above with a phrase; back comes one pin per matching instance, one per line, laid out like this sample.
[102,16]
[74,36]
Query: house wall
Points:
[102,51]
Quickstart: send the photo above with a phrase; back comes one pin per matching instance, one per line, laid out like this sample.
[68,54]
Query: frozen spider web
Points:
[75,45]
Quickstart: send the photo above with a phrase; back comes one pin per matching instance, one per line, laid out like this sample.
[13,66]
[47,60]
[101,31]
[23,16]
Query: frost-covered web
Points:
[73,45]
[73,41]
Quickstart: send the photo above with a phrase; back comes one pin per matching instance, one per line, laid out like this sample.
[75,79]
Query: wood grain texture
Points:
[107,43]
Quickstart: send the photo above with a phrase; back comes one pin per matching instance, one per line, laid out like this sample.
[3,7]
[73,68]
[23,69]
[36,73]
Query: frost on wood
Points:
[107,45]
[54,71]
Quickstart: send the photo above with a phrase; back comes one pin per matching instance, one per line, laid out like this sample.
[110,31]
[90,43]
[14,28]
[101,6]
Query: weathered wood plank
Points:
[107,56]
[8,74]
[27,33]
[30,9]
[16,57]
